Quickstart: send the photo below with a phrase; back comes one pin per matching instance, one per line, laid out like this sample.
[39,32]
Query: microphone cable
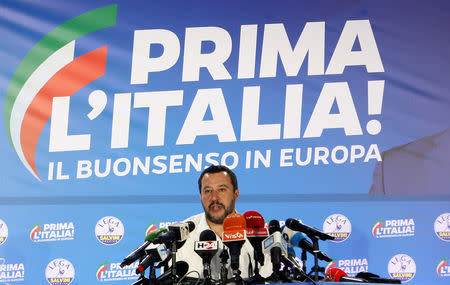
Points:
[185,275]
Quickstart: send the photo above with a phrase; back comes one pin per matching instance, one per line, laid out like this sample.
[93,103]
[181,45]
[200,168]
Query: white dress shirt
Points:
[246,261]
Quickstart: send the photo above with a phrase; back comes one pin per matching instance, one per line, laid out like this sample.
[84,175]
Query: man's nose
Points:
[215,195]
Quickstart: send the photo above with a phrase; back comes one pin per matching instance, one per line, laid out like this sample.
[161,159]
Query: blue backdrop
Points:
[332,112]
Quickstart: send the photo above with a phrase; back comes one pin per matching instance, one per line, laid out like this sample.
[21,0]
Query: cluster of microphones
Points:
[274,242]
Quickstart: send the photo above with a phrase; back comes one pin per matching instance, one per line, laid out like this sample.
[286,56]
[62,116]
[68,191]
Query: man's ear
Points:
[236,194]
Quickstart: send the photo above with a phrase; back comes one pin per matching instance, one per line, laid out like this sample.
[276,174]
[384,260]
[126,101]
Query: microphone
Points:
[175,237]
[177,232]
[339,275]
[373,278]
[299,239]
[155,253]
[166,278]
[207,247]
[256,233]
[275,244]
[233,236]
[140,251]
[295,225]
[295,267]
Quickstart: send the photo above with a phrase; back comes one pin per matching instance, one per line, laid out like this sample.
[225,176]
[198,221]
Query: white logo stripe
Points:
[35,82]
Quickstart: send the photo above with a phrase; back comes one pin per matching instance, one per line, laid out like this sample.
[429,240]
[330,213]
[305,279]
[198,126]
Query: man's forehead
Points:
[216,178]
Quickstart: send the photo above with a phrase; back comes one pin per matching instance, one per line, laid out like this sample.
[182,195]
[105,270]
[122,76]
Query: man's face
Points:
[217,195]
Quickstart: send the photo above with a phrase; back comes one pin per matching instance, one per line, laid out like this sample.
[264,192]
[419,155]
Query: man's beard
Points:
[221,218]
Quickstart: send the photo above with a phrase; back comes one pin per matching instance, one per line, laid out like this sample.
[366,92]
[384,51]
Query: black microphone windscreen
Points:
[296,225]
[274,226]
[182,268]
[179,244]
[207,235]
[291,223]
[191,225]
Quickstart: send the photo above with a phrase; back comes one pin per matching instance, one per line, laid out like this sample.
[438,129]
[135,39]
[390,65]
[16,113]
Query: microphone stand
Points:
[276,256]
[223,269]
[298,274]
[207,274]
[142,279]
[256,278]
[316,269]
[304,260]
[152,275]
[174,261]
[237,279]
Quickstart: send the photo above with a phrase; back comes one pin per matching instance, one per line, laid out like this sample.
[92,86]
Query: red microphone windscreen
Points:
[255,225]
[254,220]
[335,273]
[234,221]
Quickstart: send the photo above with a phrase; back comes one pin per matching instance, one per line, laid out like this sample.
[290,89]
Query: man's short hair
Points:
[217,169]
